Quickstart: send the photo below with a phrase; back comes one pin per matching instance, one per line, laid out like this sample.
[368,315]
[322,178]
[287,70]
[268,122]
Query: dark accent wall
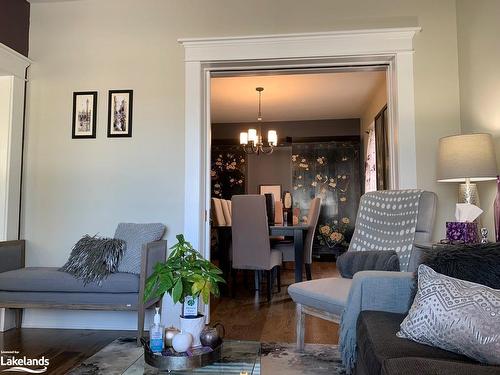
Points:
[274,169]
[294,129]
[277,167]
[15,24]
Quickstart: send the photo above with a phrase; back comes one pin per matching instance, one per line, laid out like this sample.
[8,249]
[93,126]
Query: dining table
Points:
[298,233]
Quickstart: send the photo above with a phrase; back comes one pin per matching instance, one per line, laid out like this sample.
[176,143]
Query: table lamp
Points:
[467,158]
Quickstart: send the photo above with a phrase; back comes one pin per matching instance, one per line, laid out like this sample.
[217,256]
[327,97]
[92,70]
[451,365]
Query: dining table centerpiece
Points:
[186,276]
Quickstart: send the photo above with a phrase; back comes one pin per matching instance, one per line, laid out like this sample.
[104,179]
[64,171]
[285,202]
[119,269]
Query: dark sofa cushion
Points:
[50,279]
[377,342]
[426,366]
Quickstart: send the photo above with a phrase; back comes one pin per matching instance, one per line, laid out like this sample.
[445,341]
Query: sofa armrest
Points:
[152,253]
[372,290]
[383,290]
[12,254]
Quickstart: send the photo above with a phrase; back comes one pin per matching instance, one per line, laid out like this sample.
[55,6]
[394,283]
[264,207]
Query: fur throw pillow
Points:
[93,258]
[478,263]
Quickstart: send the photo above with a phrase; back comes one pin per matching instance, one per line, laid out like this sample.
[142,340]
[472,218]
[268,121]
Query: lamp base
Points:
[465,191]
[468,193]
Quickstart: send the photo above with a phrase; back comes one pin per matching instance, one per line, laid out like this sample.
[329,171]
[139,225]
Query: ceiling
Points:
[292,97]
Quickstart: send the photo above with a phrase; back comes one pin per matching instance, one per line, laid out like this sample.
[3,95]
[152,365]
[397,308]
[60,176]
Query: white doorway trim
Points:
[12,72]
[392,47]
[12,83]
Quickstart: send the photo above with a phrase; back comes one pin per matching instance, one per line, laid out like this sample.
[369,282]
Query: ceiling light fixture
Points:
[252,141]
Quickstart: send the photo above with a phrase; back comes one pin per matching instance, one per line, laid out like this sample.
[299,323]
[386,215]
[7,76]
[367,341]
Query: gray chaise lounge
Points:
[47,287]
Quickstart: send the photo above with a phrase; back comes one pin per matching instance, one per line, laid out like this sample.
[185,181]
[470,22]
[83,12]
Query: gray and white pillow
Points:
[455,315]
[135,235]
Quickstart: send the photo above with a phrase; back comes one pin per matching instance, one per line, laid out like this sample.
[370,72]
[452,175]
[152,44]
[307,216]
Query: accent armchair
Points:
[330,298]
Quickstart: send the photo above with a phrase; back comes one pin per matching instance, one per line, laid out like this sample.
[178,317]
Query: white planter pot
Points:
[194,326]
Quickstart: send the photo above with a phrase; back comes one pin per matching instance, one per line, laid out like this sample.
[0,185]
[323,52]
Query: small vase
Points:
[194,326]
[497,212]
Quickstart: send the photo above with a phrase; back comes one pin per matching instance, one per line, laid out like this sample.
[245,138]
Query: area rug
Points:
[122,356]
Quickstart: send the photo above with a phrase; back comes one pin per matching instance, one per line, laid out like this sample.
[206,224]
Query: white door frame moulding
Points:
[203,56]
[12,81]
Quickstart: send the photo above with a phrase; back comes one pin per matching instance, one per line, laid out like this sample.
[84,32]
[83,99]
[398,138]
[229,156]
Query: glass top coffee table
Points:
[238,357]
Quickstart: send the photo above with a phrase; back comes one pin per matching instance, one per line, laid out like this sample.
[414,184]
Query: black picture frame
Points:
[77,132]
[112,131]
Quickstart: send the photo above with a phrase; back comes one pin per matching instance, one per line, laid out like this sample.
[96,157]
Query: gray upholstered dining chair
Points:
[251,247]
[328,298]
[288,248]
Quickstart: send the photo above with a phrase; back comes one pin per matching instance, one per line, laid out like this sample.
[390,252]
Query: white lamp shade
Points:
[243,138]
[252,135]
[272,137]
[466,156]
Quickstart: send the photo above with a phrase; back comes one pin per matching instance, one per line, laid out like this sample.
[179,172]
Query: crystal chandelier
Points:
[252,141]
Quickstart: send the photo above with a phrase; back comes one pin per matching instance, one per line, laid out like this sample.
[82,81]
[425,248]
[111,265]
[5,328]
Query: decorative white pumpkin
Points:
[182,342]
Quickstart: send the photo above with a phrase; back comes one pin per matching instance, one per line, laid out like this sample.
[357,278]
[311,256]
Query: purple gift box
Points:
[460,231]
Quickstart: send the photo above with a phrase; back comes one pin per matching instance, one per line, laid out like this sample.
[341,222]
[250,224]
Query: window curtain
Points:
[382,150]
[371,163]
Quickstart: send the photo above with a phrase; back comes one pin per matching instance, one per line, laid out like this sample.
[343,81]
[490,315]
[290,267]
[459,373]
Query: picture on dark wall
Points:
[120,113]
[275,190]
[84,114]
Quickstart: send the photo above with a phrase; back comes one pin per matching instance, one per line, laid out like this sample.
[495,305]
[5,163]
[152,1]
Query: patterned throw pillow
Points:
[136,235]
[93,259]
[455,315]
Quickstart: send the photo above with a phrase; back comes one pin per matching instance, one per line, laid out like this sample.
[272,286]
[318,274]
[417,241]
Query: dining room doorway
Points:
[296,132]
[391,47]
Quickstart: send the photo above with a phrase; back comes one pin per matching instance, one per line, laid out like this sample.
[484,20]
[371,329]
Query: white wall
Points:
[479,54]
[87,186]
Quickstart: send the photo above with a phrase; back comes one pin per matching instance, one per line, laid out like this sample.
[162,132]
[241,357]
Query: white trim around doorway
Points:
[12,91]
[392,47]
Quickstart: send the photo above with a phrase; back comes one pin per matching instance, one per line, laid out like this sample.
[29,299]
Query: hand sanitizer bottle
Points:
[156,334]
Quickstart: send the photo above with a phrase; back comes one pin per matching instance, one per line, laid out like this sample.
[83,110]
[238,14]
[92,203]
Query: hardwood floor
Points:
[249,316]
[65,348]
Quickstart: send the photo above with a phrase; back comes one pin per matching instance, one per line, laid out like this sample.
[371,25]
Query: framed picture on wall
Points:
[84,114]
[120,113]
[275,190]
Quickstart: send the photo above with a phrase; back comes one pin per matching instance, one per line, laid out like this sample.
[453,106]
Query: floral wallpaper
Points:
[330,170]
[227,173]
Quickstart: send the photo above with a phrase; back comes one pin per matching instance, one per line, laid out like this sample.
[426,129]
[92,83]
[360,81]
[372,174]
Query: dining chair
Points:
[226,212]
[288,248]
[251,245]
[217,213]
[278,213]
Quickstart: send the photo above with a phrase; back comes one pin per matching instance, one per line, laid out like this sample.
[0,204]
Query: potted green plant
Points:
[185,276]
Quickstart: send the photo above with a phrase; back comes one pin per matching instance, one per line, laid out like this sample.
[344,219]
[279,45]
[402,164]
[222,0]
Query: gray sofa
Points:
[384,302]
[47,287]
